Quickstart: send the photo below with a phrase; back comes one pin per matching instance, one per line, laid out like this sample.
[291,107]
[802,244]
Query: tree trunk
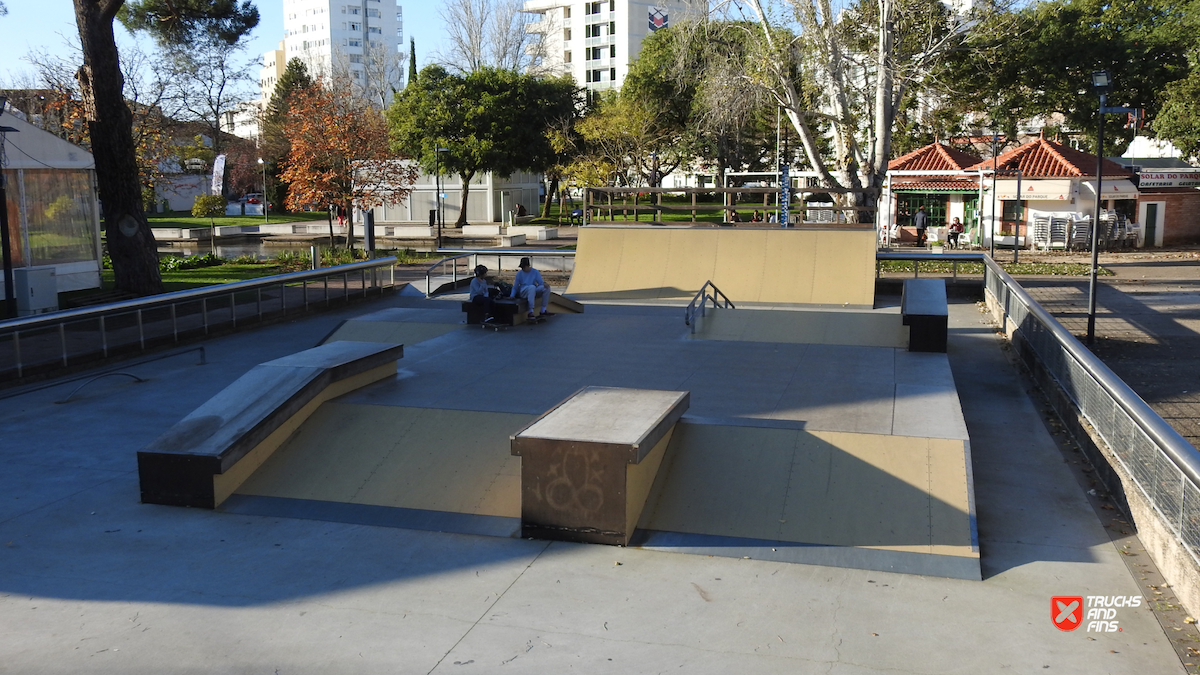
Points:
[110,126]
[550,194]
[348,207]
[462,205]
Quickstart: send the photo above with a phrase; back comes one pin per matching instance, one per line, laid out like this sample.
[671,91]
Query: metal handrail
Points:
[369,271]
[1181,453]
[701,297]
[191,294]
[474,253]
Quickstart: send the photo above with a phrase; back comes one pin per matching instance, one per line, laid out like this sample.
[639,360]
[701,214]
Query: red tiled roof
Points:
[933,157]
[1046,159]
[938,185]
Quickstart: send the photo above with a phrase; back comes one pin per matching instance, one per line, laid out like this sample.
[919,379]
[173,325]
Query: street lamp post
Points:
[1102,84]
[992,225]
[10,291]
[441,208]
[263,166]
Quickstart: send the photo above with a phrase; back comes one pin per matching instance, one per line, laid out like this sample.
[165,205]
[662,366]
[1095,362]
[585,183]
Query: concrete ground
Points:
[93,581]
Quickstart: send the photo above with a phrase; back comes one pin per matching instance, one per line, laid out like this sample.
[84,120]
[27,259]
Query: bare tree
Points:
[206,81]
[491,33]
[846,67]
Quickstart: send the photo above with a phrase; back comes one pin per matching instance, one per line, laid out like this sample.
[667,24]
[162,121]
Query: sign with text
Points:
[1168,179]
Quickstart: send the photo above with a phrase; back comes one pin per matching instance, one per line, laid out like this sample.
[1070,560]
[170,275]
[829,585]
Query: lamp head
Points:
[1100,81]
[260,160]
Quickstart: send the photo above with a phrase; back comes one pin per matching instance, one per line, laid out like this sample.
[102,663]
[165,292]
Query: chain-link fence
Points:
[1163,465]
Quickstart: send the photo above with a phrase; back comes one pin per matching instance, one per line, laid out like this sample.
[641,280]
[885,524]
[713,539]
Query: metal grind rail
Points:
[60,339]
[700,301]
[1162,464]
[461,266]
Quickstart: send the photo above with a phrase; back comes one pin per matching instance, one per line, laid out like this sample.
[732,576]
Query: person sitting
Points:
[529,284]
[757,217]
[955,229]
[734,218]
[481,293]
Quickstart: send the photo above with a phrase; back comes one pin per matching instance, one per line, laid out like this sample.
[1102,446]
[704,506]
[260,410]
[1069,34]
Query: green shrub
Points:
[173,263]
[208,206]
[290,261]
[341,256]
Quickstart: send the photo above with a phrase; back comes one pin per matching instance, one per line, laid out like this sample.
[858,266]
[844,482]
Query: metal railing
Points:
[700,301]
[918,258]
[1161,463]
[462,266]
[60,339]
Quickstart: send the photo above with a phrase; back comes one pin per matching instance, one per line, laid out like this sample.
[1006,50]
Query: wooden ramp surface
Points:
[834,267]
[760,488]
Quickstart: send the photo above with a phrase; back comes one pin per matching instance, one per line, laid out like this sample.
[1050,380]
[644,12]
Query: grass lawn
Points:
[1061,269]
[185,219]
[179,280]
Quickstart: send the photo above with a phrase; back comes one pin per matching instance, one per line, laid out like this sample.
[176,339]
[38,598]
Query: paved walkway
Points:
[92,581]
[1147,329]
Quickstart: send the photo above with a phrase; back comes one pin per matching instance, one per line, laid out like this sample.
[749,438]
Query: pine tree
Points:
[276,144]
[412,60]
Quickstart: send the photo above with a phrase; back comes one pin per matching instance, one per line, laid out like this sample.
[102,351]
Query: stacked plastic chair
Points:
[1041,232]
[1058,233]
[1081,233]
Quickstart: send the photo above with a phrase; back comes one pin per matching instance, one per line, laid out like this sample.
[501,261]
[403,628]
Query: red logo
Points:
[1066,612]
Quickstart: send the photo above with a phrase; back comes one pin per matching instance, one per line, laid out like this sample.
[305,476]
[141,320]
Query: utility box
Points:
[36,290]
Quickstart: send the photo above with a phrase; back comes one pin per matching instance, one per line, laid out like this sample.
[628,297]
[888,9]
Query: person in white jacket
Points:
[529,284]
[480,292]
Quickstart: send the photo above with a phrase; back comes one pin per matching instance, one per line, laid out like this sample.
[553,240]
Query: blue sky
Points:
[49,24]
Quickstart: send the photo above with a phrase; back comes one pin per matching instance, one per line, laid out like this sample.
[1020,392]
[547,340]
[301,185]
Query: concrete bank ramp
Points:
[830,267]
[398,326]
[758,488]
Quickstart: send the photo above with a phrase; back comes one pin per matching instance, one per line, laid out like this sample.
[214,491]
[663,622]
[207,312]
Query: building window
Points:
[566,34]
[567,56]
[374,13]
[591,8]
[592,30]
[612,27]
[374,29]
[357,27]
[353,10]
[595,76]
[612,51]
[355,42]
[587,75]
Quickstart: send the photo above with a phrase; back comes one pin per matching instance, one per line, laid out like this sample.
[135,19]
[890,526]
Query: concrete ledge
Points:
[510,240]
[203,458]
[924,309]
[482,230]
[405,231]
[535,232]
[587,465]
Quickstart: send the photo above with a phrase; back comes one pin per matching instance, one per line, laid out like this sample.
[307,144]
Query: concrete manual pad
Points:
[900,503]
[607,415]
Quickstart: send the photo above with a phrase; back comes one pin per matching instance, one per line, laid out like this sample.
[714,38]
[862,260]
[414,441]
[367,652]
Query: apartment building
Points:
[596,41]
[363,39]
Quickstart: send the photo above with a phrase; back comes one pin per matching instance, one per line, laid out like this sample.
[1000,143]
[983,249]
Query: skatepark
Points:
[796,488]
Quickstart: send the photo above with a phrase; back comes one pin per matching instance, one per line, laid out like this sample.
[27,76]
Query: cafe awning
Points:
[1113,189]
[1035,189]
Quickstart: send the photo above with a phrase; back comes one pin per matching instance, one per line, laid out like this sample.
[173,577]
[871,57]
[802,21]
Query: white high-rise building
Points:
[360,39]
[596,41]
